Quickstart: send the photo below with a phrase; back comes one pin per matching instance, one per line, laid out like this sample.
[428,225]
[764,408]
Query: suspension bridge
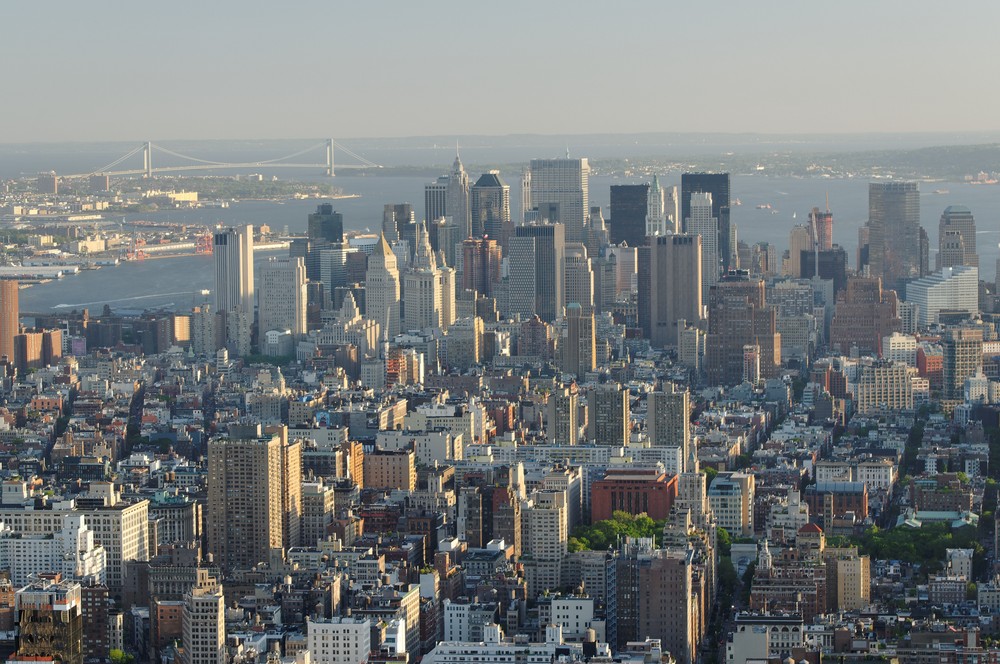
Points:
[196,164]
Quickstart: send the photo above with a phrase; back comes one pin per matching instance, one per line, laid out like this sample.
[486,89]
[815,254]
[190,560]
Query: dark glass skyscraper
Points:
[326,225]
[716,184]
[628,213]
[894,239]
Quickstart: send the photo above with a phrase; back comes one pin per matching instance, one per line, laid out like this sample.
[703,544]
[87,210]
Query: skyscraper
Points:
[716,184]
[457,197]
[668,419]
[669,285]
[563,185]
[629,209]
[823,223]
[579,277]
[662,214]
[382,289]
[894,251]
[481,265]
[489,207]
[422,292]
[865,313]
[283,296]
[9,313]
[436,199]
[609,415]
[701,222]
[326,225]
[233,250]
[540,252]
[957,238]
[398,222]
[738,316]
[579,346]
[963,356]
[254,497]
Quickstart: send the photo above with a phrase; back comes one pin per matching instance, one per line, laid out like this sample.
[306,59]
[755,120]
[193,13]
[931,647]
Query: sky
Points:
[132,71]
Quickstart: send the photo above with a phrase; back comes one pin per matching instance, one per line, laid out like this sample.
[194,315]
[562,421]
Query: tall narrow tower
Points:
[233,251]
[9,313]
[382,288]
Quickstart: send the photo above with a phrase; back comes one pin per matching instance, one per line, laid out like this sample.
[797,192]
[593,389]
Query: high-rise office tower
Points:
[489,207]
[49,617]
[436,199]
[326,225]
[233,251]
[382,289]
[957,238]
[661,209]
[609,415]
[540,253]
[700,222]
[254,497]
[629,209]
[481,265]
[579,278]
[738,316]
[519,284]
[398,222]
[716,184]
[457,197]
[563,186]
[203,627]
[525,195]
[579,346]
[894,248]
[422,288]
[669,285]
[283,296]
[962,350]
[823,223]
[800,239]
[563,414]
[668,419]
[9,315]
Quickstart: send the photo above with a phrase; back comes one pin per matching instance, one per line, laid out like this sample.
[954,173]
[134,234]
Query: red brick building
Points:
[633,490]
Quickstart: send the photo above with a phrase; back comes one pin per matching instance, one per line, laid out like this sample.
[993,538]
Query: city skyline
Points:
[765,58]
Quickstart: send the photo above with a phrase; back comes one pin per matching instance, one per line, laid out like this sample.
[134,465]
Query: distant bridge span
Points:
[147,170]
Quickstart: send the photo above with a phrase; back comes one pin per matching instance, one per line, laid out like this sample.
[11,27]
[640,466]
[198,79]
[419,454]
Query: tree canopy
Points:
[602,535]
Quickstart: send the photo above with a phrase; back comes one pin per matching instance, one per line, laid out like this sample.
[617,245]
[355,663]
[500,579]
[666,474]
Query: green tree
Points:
[120,657]
[725,542]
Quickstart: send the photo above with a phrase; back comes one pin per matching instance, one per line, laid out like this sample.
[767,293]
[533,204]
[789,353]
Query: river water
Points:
[176,282]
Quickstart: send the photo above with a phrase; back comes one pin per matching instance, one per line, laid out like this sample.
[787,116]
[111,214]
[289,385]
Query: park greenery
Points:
[603,535]
[924,546]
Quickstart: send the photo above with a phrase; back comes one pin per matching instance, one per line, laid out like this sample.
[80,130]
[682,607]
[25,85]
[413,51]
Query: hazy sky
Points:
[360,68]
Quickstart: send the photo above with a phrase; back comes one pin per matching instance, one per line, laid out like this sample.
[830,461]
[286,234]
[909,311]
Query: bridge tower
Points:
[329,157]
[147,159]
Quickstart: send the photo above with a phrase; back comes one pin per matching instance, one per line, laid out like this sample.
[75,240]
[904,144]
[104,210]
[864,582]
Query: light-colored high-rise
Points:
[544,540]
[579,277]
[382,289]
[203,627]
[669,285]
[563,428]
[233,251]
[701,222]
[339,640]
[423,288]
[957,238]
[457,197]
[663,209]
[561,188]
[283,296]
[254,497]
[954,288]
